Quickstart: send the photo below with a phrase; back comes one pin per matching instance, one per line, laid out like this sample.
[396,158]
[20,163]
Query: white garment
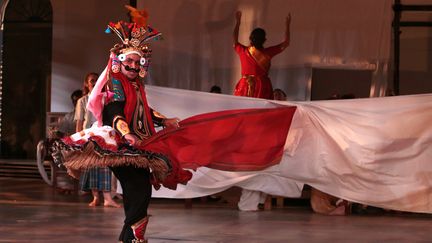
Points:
[119,188]
[249,200]
[82,114]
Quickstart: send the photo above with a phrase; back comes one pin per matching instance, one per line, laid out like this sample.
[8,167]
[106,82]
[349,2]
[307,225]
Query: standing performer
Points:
[255,61]
[128,121]
[124,137]
[130,115]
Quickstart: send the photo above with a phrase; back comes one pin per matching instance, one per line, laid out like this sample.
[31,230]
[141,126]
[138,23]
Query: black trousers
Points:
[137,191]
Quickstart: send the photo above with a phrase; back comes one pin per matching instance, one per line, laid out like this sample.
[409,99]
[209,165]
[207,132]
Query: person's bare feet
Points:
[94,203]
[112,204]
[339,211]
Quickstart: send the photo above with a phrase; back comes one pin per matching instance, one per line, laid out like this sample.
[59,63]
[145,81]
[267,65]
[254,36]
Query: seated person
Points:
[324,203]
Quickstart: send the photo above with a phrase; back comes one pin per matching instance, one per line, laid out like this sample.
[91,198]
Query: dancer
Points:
[124,137]
[255,61]
[127,121]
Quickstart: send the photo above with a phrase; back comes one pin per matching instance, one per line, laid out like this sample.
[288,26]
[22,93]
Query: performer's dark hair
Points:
[215,89]
[258,37]
[75,96]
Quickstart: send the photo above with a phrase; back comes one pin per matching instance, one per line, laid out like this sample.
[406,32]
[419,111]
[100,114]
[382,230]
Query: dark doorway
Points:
[329,83]
[26,79]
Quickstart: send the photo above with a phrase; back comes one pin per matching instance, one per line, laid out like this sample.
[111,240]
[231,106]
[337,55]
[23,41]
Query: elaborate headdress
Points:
[134,38]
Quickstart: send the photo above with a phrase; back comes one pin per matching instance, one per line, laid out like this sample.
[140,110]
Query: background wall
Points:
[80,44]
[197,53]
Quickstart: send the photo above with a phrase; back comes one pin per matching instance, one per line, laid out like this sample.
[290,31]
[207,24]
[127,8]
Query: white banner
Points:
[375,151]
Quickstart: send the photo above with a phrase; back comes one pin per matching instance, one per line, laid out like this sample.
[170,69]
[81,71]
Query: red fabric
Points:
[262,88]
[131,100]
[234,140]
[177,176]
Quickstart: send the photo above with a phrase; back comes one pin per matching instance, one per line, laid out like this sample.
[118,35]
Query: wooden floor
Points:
[30,212]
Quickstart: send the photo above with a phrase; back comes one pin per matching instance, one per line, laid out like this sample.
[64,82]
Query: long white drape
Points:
[375,151]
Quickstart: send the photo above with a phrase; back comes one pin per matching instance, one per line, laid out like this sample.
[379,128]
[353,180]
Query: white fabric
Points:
[82,114]
[375,151]
[105,132]
[97,96]
[249,200]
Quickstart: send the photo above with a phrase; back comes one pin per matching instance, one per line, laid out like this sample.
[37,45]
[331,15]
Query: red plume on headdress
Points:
[134,35]
[140,17]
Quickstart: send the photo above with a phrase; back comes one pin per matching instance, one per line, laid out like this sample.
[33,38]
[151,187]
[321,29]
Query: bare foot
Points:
[94,203]
[112,204]
[338,211]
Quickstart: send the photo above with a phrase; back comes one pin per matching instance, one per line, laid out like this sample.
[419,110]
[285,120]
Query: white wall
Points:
[197,50]
[80,44]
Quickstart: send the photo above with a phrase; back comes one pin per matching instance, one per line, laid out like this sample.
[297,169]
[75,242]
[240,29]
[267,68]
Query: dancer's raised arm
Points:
[286,42]
[237,27]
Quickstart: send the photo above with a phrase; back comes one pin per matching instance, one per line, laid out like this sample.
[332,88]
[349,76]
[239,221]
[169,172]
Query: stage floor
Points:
[31,212]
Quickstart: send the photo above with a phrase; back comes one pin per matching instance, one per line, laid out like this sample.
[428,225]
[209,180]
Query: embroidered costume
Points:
[120,106]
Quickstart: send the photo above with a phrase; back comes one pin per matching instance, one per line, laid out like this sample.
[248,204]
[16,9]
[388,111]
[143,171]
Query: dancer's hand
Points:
[238,16]
[288,20]
[237,27]
[286,42]
[132,139]
[171,122]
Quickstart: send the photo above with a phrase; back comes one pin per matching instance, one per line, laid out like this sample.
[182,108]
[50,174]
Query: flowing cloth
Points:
[233,140]
[375,151]
[255,65]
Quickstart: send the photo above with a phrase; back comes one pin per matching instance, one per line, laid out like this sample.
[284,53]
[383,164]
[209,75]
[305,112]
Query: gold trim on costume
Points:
[140,222]
[141,227]
[140,125]
[158,115]
[262,59]
[121,125]
[250,79]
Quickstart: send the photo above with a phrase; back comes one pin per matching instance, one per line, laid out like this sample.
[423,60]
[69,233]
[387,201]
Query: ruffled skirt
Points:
[103,146]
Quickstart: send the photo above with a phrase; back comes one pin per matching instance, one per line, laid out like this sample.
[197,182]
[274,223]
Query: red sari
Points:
[255,65]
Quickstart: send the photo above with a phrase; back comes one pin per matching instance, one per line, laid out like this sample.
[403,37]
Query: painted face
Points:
[130,67]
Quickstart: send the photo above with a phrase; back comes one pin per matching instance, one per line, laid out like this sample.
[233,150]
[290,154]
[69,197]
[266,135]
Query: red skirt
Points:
[254,86]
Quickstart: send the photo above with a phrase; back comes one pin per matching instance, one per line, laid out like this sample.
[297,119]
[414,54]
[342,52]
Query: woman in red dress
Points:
[255,61]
